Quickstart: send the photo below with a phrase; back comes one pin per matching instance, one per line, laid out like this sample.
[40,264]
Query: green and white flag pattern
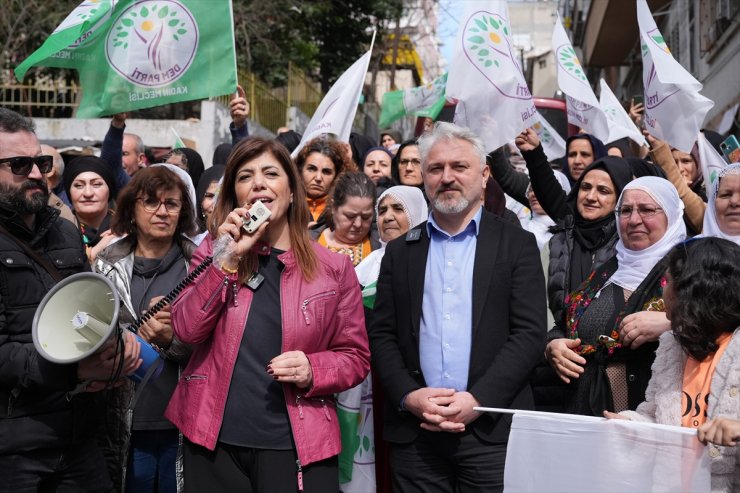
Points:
[138,54]
[425,101]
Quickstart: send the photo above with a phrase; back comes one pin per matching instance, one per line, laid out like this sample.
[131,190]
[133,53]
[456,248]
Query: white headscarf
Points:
[185,178]
[539,224]
[711,225]
[415,207]
[635,265]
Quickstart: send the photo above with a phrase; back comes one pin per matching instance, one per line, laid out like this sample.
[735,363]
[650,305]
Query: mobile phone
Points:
[731,149]
[637,98]
[257,214]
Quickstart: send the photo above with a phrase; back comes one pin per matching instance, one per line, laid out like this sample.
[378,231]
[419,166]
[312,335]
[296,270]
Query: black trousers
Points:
[78,468]
[439,462]
[238,469]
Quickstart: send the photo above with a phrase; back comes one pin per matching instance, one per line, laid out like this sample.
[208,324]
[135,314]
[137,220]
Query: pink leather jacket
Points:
[324,318]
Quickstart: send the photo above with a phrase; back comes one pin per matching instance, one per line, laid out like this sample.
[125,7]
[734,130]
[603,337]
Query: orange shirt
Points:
[697,381]
[356,252]
[316,206]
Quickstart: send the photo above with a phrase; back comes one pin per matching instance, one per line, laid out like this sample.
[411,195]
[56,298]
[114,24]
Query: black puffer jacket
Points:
[36,412]
[558,272]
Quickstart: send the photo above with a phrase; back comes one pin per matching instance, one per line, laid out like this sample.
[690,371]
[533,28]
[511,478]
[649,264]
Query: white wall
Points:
[210,130]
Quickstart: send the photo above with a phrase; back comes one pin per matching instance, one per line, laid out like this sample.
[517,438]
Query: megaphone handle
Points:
[152,369]
[170,297]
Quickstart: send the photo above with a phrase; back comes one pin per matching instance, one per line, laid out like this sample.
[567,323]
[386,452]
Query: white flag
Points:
[584,109]
[602,456]
[674,109]
[337,110]
[485,77]
[711,164]
[552,143]
[620,123]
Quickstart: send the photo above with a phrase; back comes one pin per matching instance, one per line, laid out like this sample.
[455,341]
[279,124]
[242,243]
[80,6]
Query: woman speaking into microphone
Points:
[278,328]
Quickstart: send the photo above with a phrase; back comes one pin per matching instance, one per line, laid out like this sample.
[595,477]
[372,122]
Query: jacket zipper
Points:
[11,400]
[235,291]
[194,377]
[213,296]
[300,474]
[299,405]
[304,306]
[326,409]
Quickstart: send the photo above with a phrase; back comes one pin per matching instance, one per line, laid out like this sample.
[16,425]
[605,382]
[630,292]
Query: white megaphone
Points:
[77,317]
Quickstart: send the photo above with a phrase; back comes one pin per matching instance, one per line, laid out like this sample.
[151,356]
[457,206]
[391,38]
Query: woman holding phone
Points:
[278,329]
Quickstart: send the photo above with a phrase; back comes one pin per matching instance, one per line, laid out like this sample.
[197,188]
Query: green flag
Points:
[138,54]
[427,100]
[179,144]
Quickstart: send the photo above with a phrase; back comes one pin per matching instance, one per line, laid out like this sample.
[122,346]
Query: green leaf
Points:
[127,22]
[366,443]
[474,30]
[488,63]
[481,24]
[163,12]
[175,36]
[496,62]
[173,13]
[125,45]
[144,11]
[476,39]
[473,48]
[122,34]
[173,23]
[134,14]
[117,44]
[569,64]
[182,31]
[658,39]
[493,22]
[483,52]
[506,31]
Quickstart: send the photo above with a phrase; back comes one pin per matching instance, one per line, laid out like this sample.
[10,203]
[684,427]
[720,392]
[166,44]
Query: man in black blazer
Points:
[459,322]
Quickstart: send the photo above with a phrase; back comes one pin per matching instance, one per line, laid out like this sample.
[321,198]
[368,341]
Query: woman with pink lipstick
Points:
[277,327]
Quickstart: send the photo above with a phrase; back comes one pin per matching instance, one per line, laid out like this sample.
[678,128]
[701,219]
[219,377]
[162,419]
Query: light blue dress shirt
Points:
[447,307]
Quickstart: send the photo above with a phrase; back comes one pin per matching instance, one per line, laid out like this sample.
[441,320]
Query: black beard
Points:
[14,198]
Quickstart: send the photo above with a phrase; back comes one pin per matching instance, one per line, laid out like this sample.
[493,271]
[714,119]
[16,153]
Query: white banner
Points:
[620,123]
[584,110]
[674,109]
[567,453]
[485,77]
[337,110]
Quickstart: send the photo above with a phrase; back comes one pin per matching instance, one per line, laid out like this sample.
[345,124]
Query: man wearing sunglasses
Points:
[46,440]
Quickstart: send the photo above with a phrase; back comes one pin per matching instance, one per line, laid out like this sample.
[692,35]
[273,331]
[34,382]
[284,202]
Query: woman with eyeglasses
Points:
[406,168]
[91,186]
[605,345]
[155,215]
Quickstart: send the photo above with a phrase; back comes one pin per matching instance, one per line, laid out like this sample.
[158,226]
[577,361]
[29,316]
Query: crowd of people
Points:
[402,284]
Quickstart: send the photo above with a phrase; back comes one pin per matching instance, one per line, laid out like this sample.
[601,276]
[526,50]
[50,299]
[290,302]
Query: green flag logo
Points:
[152,43]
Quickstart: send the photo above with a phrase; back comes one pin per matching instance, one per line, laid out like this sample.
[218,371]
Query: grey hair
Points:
[12,122]
[449,131]
[140,148]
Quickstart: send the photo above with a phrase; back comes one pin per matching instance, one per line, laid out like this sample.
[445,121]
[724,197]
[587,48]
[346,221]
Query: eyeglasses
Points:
[643,211]
[411,162]
[172,206]
[22,165]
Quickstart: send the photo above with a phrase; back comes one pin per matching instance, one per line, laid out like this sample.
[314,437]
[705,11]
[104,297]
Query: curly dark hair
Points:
[147,182]
[329,148]
[703,295]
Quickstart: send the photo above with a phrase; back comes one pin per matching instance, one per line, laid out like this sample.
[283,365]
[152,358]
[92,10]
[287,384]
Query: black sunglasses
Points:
[22,165]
